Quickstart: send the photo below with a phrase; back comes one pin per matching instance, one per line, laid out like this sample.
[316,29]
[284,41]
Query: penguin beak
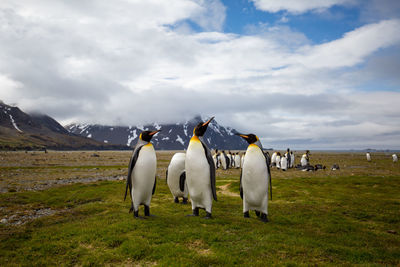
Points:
[153,133]
[207,122]
[242,135]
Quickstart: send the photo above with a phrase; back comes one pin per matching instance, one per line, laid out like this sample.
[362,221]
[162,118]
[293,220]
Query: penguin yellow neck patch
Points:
[195,138]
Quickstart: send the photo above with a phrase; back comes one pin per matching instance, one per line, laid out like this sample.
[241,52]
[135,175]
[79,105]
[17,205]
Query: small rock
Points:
[392,232]
[4,221]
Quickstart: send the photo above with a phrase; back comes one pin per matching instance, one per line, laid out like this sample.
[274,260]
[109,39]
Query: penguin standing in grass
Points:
[291,159]
[278,160]
[141,180]
[176,178]
[255,179]
[273,159]
[237,160]
[223,159]
[200,172]
[284,163]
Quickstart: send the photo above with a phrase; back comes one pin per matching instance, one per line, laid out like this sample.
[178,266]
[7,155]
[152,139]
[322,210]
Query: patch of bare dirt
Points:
[224,189]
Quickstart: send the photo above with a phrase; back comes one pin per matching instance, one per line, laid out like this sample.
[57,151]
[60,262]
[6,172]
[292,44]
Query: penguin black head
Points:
[201,128]
[250,138]
[147,135]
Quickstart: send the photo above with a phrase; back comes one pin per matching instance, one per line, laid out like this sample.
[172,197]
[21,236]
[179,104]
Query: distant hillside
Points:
[19,130]
[172,136]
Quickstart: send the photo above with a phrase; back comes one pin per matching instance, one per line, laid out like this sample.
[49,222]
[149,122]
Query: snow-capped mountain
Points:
[172,136]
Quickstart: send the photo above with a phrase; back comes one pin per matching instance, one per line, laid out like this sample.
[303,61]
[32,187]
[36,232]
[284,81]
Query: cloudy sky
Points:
[316,74]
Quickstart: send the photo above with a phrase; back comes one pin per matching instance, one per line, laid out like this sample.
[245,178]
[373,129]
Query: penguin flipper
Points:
[212,170]
[182,180]
[166,175]
[267,161]
[132,163]
[154,186]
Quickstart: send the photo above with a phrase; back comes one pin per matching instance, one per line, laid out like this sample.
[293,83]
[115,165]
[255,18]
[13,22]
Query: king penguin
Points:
[273,159]
[141,180]
[176,177]
[200,171]
[291,159]
[278,160]
[255,179]
[237,160]
[284,163]
[223,160]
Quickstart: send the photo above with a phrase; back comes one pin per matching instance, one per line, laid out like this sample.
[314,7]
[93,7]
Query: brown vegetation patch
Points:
[200,247]
[224,189]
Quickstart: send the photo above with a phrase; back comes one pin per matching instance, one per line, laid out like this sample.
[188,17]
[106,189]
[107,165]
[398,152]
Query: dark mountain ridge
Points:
[19,130]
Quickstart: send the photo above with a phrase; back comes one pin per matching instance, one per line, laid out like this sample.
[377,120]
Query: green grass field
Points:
[347,217]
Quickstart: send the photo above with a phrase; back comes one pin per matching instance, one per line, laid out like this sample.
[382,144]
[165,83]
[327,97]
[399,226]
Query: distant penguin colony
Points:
[141,180]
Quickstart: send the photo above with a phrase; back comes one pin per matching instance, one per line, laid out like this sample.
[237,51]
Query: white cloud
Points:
[135,62]
[354,47]
[296,6]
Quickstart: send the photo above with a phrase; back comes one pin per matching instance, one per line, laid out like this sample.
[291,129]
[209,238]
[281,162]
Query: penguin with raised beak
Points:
[200,172]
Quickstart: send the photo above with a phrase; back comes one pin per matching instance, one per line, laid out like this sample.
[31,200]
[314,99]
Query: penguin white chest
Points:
[197,170]
[175,169]
[255,176]
[143,175]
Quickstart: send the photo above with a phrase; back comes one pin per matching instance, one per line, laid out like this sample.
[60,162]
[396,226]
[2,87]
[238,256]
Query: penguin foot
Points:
[208,215]
[146,210]
[264,217]
[131,210]
[246,214]
[258,213]
[136,215]
[184,201]
[176,200]
[195,213]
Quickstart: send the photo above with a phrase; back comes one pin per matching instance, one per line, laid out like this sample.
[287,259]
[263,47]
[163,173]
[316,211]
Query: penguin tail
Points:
[128,186]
